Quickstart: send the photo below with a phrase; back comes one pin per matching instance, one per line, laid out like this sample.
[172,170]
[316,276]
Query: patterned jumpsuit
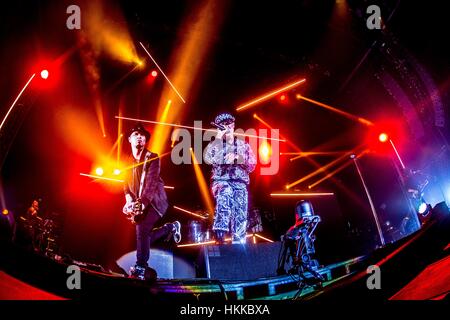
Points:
[229,185]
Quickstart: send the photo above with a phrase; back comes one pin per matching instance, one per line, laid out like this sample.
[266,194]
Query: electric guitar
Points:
[134,211]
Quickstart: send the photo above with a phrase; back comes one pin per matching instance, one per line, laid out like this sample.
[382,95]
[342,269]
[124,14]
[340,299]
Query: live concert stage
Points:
[414,268]
[223,151]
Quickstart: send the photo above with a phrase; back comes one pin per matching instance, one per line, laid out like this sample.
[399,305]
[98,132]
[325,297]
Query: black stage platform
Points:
[405,266]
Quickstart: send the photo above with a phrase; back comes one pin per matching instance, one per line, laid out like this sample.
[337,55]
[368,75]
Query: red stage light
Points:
[154,73]
[283,97]
[265,152]
[44,74]
[383,137]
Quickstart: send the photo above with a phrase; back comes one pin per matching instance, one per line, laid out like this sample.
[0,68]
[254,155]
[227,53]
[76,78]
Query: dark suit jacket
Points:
[153,194]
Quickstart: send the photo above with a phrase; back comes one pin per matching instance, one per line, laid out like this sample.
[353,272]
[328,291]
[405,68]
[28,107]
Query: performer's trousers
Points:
[145,235]
[231,208]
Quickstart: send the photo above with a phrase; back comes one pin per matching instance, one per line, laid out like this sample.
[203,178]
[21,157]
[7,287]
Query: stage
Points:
[226,152]
[415,267]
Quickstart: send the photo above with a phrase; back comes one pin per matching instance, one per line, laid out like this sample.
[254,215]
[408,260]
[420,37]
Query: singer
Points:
[232,160]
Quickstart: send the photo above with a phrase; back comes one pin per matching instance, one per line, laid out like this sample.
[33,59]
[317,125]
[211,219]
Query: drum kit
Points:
[42,233]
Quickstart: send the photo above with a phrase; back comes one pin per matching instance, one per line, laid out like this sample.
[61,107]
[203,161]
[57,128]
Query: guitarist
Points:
[146,200]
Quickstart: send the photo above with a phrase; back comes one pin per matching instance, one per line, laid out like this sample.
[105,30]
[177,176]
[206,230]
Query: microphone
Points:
[218,126]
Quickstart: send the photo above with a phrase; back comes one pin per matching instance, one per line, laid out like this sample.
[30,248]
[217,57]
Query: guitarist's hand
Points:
[128,207]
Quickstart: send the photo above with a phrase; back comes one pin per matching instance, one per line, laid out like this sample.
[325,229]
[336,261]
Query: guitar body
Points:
[135,211]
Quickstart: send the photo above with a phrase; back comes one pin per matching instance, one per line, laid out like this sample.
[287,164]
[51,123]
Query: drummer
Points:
[34,221]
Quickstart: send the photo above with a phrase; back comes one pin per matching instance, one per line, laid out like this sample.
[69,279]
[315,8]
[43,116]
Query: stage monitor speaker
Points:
[241,262]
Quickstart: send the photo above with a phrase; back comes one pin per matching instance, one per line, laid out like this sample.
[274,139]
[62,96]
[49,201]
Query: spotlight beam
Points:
[338,111]
[15,101]
[162,72]
[204,190]
[269,95]
[196,128]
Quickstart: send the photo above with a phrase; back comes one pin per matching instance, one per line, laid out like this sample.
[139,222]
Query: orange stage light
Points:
[261,237]
[338,169]
[191,213]
[321,169]
[338,111]
[269,95]
[302,194]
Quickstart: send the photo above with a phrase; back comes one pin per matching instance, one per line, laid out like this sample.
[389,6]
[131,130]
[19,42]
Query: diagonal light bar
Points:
[269,95]
[312,153]
[261,237]
[301,194]
[196,128]
[340,168]
[100,178]
[145,161]
[195,244]
[321,169]
[162,72]
[398,155]
[17,99]
[191,213]
[338,111]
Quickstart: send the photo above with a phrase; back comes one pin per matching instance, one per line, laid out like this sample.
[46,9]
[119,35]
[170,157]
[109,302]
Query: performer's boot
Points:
[237,240]
[143,273]
[175,231]
[137,272]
